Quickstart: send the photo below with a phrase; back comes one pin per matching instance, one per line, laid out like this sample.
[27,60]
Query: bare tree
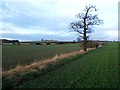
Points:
[84,26]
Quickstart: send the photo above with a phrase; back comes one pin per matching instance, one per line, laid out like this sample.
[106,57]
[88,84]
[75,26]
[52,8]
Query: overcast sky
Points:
[49,19]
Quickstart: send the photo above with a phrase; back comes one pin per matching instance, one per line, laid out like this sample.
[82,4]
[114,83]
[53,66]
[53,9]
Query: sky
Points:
[28,20]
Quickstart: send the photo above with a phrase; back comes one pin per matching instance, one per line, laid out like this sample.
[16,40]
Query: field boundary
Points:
[41,64]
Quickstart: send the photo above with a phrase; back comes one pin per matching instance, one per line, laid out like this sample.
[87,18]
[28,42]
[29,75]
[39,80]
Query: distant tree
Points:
[78,39]
[74,41]
[42,40]
[84,26]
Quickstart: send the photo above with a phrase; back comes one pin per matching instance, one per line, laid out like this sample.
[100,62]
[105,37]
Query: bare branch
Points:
[87,8]
[75,30]
[86,22]
[80,15]
[80,36]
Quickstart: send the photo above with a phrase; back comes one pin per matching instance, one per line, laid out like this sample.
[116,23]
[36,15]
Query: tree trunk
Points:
[85,45]
[85,38]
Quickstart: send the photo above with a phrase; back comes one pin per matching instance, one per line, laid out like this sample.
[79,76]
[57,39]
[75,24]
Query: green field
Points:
[95,69]
[13,55]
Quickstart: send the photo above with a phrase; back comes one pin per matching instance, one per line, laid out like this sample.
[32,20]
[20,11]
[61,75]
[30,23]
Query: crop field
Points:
[97,68]
[94,69]
[13,55]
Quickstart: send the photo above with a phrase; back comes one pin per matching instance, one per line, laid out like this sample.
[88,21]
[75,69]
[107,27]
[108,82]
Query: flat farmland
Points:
[97,68]
[94,69]
[13,55]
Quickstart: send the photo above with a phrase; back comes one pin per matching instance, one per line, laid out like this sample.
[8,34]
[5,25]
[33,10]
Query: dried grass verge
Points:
[40,64]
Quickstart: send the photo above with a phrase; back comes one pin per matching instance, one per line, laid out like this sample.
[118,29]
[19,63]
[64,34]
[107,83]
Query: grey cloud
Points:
[21,21]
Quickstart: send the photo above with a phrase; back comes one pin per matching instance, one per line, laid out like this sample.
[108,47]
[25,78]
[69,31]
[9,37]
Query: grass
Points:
[26,54]
[40,64]
[94,69]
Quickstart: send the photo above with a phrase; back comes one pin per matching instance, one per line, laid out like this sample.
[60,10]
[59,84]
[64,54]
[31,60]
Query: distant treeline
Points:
[8,41]
[47,42]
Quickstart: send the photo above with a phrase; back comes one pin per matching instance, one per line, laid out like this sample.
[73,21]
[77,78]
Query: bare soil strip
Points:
[41,64]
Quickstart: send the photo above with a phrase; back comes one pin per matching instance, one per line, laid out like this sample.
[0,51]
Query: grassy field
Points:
[95,69]
[13,55]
